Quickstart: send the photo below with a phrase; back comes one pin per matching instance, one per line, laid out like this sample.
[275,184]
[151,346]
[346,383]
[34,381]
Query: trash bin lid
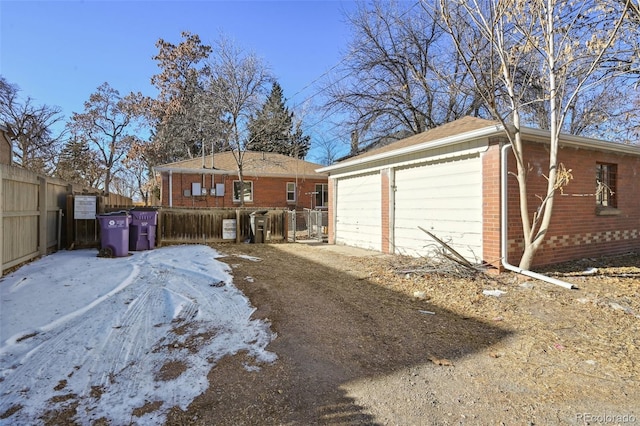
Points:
[144,209]
[116,213]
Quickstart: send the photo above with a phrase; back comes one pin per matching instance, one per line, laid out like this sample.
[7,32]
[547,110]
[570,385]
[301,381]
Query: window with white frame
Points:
[291,192]
[322,195]
[242,192]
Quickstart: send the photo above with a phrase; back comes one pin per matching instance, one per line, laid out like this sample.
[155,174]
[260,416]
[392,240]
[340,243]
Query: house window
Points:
[240,193]
[291,192]
[322,195]
[606,177]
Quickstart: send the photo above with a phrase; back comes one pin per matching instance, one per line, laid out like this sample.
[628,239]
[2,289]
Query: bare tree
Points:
[561,47]
[138,172]
[400,73]
[328,149]
[106,125]
[36,143]
[183,117]
[238,85]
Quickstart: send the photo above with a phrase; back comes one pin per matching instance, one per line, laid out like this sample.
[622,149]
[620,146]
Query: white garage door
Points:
[358,217]
[445,198]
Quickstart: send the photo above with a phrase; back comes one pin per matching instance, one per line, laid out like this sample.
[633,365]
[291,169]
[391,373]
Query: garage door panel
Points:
[454,206]
[445,184]
[358,212]
[443,198]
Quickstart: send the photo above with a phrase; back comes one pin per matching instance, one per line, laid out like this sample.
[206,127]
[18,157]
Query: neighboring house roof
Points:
[466,129]
[253,164]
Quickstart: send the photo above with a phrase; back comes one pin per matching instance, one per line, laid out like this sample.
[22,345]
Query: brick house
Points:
[448,181]
[270,181]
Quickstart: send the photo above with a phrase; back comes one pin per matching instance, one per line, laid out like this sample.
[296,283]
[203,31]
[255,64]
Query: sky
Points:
[103,328]
[59,52]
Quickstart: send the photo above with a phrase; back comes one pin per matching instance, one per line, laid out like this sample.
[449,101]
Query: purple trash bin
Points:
[142,235]
[114,234]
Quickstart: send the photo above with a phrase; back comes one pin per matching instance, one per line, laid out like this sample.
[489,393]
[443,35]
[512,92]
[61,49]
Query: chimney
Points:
[354,142]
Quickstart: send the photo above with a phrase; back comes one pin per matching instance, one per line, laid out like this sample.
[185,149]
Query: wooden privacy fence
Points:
[203,226]
[32,208]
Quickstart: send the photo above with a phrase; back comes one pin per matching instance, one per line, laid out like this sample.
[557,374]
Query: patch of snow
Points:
[495,293]
[247,257]
[102,329]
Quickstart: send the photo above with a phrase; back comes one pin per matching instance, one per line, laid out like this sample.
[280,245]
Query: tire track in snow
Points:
[118,345]
[45,365]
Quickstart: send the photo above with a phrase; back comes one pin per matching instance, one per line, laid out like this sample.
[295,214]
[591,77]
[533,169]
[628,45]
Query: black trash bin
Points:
[114,234]
[258,226]
[142,235]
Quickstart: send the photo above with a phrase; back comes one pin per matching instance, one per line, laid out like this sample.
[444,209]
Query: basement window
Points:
[606,187]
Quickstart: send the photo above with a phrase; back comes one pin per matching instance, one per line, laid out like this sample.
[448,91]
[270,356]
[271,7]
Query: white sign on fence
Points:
[229,229]
[84,207]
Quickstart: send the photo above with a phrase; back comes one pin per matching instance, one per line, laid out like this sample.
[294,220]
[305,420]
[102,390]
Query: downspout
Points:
[391,208]
[504,224]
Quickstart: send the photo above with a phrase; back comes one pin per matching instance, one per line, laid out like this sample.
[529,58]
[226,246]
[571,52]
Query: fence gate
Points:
[307,225]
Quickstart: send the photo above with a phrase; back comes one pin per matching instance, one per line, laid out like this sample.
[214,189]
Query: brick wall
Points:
[576,230]
[491,203]
[267,191]
[332,212]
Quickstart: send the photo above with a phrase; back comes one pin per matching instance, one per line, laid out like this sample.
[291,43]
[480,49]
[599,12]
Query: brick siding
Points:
[331,239]
[491,204]
[576,230]
[267,191]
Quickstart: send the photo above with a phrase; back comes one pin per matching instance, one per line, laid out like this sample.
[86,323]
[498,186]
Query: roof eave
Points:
[584,142]
[493,130]
[161,169]
[235,172]
[425,146]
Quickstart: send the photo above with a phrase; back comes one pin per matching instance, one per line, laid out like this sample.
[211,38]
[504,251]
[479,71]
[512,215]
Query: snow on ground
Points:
[102,330]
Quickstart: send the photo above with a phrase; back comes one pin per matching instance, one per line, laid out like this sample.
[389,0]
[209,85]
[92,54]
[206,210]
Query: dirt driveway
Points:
[355,347]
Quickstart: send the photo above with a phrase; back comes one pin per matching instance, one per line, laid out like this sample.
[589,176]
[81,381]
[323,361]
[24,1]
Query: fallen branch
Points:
[444,261]
[460,257]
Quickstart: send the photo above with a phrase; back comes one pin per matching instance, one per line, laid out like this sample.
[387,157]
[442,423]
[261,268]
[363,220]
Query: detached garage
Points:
[448,180]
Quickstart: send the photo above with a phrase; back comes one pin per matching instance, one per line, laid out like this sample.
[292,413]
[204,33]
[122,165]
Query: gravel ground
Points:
[371,339]
[365,338]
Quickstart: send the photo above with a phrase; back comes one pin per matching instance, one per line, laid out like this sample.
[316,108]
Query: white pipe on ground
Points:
[503,228]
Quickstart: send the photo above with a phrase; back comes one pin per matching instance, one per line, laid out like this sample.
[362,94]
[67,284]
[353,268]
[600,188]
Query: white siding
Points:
[358,212]
[444,198]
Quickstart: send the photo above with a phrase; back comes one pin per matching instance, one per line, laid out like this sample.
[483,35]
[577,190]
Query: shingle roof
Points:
[254,163]
[462,125]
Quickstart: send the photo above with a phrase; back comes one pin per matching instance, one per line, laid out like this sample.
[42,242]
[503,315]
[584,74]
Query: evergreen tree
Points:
[272,128]
[78,163]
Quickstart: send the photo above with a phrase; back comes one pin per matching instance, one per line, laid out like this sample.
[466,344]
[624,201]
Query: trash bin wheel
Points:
[106,252]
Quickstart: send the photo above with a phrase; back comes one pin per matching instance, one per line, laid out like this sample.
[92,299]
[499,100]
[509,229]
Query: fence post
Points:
[238,227]
[42,219]
[319,224]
